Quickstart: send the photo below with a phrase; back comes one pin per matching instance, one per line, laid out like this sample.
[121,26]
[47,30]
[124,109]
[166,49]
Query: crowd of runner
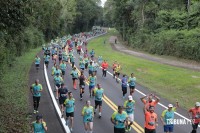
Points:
[64,55]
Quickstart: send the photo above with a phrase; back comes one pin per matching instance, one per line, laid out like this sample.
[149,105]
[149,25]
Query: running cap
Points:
[38,117]
[170,106]
[197,104]
[130,97]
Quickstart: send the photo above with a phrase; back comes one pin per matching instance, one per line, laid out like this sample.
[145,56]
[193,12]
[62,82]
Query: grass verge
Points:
[167,81]
[14,95]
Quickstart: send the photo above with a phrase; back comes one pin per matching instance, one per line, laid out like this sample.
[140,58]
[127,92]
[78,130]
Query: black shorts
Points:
[62,100]
[63,72]
[60,58]
[81,86]
[117,73]
[70,114]
[74,79]
[149,130]
[58,85]
[98,103]
[132,87]
[86,65]
[37,65]
[90,72]
[119,130]
[46,62]
[82,69]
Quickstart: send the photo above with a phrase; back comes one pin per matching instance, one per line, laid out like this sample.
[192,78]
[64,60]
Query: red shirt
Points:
[195,114]
[104,65]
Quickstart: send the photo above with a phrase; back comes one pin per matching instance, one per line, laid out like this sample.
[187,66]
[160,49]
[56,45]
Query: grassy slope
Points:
[167,81]
[14,95]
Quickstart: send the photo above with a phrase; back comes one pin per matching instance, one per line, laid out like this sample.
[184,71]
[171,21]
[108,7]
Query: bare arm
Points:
[157,98]
[143,98]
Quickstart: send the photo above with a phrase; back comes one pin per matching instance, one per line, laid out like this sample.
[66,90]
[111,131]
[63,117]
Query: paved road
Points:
[46,107]
[114,97]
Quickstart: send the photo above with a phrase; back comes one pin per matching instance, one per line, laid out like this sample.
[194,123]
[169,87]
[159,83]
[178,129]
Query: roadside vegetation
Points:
[164,27]
[169,82]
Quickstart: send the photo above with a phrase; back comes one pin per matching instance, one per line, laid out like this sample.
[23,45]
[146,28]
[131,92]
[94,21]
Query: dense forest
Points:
[164,27]
[27,24]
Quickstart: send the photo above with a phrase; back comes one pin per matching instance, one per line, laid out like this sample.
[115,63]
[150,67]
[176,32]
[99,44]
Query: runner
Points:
[129,106]
[70,108]
[114,68]
[37,62]
[82,64]
[90,68]
[74,74]
[79,49]
[60,56]
[56,71]
[194,115]
[53,69]
[57,81]
[92,82]
[167,118]
[124,85]
[82,79]
[98,93]
[131,82]
[53,52]
[72,60]
[92,53]
[104,68]
[96,66]
[119,119]
[86,60]
[39,126]
[150,119]
[117,72]
[62,93]
[36,90]
[100,59]
[46,60]
[150,101]
[88,115]
[63,68]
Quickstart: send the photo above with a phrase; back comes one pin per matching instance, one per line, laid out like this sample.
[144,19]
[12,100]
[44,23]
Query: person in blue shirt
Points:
[37,62]
[46,60]
[57,81]
[72,60]
[98,93]
[82,64]
[92,53]
[92,82]
[88,115]
[167,118]
[90,68]
[36,90]
[131,82]
[56,71]
[39,126]
[74,74]
[119,119]
[70,108]
[124,85]
[63,67]
[129,106]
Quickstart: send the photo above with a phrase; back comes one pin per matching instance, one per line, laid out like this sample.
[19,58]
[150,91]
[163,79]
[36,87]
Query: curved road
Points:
[113,98]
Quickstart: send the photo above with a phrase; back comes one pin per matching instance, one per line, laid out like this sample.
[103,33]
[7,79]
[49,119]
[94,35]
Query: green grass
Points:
[167,81]
[14,93]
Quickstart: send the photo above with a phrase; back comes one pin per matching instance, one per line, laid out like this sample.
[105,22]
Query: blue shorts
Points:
[91,87]
[168,128]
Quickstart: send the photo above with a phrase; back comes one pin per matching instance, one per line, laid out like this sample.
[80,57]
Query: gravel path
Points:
[173,62]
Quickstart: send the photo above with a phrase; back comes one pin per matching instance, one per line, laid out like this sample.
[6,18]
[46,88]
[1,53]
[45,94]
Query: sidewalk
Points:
[173,62]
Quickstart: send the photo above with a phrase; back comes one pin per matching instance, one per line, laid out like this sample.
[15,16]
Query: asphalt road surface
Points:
[113,93]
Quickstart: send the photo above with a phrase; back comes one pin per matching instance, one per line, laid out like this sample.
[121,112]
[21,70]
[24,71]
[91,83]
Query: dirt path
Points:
[173,62]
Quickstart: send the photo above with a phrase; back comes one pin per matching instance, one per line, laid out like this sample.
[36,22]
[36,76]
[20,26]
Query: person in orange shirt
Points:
[194,114]
[150,101]
[150,119]
[104,66]
[114,68]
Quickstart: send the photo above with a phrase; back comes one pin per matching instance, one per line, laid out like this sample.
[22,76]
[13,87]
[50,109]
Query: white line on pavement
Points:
[142,92]
[66,128]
